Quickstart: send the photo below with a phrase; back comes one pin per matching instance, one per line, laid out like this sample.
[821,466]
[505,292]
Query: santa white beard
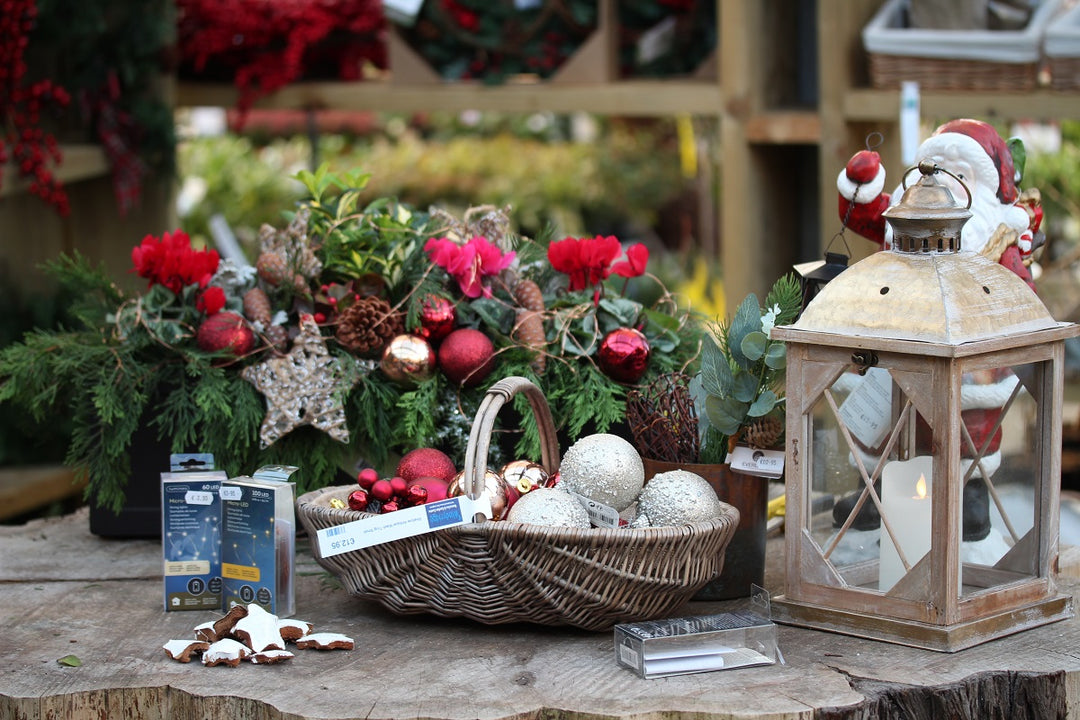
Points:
[987,213]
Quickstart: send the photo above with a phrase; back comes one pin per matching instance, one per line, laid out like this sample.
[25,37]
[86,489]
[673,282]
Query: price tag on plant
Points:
[403,523]
[760,463]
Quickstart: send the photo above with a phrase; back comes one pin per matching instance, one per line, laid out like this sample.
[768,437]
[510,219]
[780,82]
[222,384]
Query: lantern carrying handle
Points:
[928,168]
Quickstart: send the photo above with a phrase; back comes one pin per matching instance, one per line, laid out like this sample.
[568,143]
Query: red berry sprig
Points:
[22,141]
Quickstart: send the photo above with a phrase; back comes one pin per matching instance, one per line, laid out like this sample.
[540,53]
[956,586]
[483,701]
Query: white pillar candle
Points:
[905,497]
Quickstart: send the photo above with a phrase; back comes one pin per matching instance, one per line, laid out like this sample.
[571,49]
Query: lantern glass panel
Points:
[872,473]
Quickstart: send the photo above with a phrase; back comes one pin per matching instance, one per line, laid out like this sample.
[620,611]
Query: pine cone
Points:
[764,432]
[277,336]
[273,269]
[528,295]
[529,331]
[257,307]
[367,325]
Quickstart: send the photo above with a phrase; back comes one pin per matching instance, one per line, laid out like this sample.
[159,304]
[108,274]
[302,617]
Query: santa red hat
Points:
[981,145]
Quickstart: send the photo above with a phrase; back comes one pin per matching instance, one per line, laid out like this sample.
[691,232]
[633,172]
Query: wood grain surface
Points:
[66,592]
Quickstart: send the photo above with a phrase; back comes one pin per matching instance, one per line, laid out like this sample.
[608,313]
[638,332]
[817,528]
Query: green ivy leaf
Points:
[753,345]
[70,661]
[624,311]
[716,375]
[494,314]
[747,320]
[745,388]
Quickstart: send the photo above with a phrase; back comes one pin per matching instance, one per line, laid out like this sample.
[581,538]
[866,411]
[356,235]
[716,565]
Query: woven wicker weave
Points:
[888,71]
[502,572]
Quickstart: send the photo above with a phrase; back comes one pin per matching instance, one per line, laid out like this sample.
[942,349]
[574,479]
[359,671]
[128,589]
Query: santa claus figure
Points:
[1004,223]
[1004,227]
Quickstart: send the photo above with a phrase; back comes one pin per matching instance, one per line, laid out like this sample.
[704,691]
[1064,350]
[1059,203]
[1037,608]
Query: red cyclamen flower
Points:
[637,257]
[211,300]
[589,261]
[469,263]
[172,262]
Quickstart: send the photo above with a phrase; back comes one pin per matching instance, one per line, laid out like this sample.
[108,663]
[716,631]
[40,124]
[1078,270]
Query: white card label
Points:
[600,515]
[760,463]
[403,523]
[231,492]
[867,411]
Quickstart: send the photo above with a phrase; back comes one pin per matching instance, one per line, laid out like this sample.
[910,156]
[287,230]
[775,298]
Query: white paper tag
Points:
[759,463]
[600,515]
[231,492]
[656,41]
[198,497]
[403,523]
[403,12]
[867,411]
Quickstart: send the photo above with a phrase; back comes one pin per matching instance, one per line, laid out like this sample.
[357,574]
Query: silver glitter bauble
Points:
[551,507]
[678,497]
[604,468]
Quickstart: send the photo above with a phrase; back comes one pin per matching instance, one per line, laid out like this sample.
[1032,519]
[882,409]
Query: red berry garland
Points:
[21,139]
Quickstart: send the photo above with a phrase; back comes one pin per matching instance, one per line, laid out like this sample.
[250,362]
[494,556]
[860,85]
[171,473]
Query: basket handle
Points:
[476,453]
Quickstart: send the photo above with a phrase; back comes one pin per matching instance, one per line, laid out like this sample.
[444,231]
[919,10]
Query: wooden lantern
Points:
[924,368]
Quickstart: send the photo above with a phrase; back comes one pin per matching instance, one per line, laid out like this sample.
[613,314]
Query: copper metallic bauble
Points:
[495,489]
[438,318]
[624,355]
[525,475]
[408,359]
[467,356]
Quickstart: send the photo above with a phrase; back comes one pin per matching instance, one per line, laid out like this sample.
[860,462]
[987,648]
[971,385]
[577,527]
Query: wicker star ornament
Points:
[304,387]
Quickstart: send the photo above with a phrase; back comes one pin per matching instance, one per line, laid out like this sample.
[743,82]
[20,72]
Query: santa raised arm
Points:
[1004,223]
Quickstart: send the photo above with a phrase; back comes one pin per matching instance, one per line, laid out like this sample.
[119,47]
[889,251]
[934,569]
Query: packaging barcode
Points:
[335,530]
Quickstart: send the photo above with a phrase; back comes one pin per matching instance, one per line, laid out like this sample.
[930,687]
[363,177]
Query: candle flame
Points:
[920,488]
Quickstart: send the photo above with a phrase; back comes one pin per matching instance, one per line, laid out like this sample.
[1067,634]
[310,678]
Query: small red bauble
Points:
[435,487]
[358,500]
[624,355]
[225,331]
[382,490]
[416,495]
[398,485]
[426,462]
[389,506]
[467,356]
[367,477]
[438,317]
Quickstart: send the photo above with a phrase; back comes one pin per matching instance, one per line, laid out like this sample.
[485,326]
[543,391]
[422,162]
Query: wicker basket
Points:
[1062,47]
[503,572]
[950,60]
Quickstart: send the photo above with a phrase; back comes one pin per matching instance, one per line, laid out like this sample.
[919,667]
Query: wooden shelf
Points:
[80,162]
[626,98]
[884,105]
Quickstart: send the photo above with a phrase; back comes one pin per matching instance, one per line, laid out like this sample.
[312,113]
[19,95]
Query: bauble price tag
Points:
[399,524]
[759,463]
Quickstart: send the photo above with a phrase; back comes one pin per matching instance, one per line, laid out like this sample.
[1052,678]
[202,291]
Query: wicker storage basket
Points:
[947,60]
[1062,48]
[502,572]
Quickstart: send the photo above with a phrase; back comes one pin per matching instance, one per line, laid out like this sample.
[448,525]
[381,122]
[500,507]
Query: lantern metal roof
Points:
[926,288]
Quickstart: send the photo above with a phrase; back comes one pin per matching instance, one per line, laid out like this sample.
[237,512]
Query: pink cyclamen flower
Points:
[470,263]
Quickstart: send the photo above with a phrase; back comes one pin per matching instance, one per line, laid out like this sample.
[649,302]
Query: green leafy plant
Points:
[742,368]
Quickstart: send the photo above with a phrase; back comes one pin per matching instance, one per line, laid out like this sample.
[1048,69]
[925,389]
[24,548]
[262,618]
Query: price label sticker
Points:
[231,492]
[403,523]
[198,497]
[600,515]
[867,411]
[760,463]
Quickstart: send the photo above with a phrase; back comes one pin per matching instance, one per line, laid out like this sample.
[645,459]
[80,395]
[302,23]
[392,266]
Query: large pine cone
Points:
[529,328]
[367,325]
[764,433]
[257,307]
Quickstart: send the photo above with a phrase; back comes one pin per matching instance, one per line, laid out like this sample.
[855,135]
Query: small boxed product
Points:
[191,533]
[679,646]
[258,540]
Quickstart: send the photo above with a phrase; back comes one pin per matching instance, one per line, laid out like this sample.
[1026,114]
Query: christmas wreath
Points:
[358,333]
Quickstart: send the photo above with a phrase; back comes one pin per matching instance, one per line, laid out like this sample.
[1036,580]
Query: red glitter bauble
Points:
[225,331]
[467,356]
[426,462]
[438,318]
[624,355]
